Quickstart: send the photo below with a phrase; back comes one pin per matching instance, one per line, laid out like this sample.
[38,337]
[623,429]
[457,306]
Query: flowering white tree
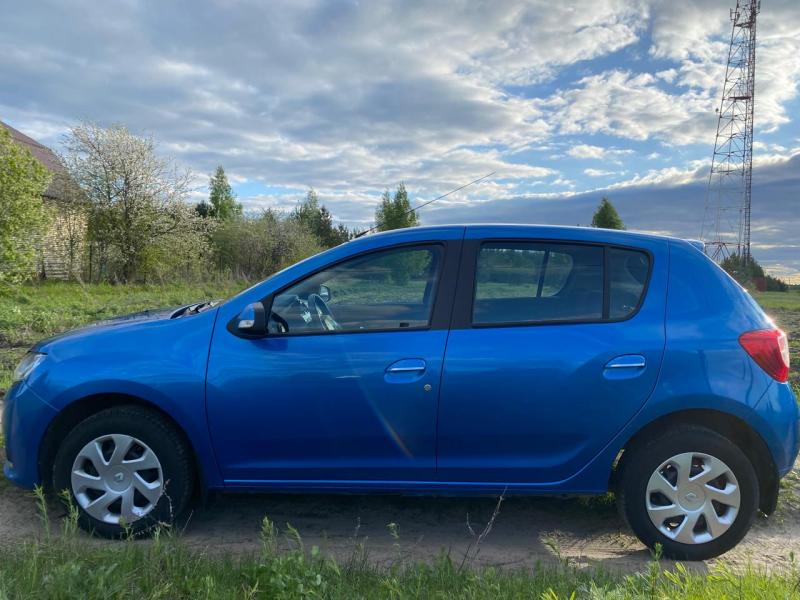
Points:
[139,221]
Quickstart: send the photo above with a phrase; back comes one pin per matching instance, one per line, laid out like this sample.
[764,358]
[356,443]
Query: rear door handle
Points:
[407,365]
[629,361]
[625,366]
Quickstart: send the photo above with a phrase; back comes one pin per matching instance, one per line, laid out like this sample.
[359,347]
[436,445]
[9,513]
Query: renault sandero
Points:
[472,360]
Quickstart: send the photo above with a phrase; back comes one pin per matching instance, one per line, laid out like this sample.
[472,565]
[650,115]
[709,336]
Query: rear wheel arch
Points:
[81,409]
[727,425]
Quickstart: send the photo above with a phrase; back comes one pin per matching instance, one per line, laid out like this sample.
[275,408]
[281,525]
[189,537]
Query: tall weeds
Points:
[65,563]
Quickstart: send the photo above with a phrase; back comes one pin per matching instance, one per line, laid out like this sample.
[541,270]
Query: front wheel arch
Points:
[85,407]
[727,425]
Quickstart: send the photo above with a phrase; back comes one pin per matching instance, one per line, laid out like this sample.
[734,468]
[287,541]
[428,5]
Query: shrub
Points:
[751,274]
[22,214]
[255,247]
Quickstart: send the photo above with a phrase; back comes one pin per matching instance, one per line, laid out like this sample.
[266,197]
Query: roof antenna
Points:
[458,189]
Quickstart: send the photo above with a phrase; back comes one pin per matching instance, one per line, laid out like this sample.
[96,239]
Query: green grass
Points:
[784,308]
[31,312]
[62,565]
[788,300]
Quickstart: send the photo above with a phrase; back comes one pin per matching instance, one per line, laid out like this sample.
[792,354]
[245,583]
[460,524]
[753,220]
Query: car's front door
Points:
[554,348]
[345,385]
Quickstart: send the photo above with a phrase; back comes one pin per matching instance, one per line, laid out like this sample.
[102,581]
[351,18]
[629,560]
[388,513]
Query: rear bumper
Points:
[25,420]
[785,469]
[778,407]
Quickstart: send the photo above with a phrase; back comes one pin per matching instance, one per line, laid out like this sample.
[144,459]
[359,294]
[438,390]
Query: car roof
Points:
[527,230]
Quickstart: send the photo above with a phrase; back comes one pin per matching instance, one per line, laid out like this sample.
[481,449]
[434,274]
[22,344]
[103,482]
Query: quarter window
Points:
[388,290]
[628,271]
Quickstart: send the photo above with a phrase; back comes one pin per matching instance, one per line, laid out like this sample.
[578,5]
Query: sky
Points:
[565,101]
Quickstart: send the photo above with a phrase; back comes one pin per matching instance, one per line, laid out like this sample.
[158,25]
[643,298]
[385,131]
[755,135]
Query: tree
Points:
[23,216]
[751,274]
[318,220]
[607,217]
[221,203]
[139,222]
[395,213]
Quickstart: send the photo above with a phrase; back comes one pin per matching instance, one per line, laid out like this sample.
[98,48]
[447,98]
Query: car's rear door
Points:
[311,406]
[555,345]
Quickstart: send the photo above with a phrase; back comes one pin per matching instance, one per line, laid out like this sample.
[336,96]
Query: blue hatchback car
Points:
[470,360]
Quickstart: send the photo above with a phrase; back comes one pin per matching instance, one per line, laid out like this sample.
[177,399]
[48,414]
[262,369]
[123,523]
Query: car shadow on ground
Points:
[526,531]
[392,529]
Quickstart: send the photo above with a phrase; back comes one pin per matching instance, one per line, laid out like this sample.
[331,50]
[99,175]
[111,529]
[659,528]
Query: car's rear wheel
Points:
[690,490]
[126,469]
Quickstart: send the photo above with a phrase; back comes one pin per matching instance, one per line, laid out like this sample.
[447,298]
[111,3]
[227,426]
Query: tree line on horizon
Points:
[257,244]
[141,227]
[747,272]
[137,220]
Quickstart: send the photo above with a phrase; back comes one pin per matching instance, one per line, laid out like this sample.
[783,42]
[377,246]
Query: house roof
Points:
[42,153]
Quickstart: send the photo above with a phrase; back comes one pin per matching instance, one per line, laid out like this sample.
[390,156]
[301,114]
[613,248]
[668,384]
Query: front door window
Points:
[380,291]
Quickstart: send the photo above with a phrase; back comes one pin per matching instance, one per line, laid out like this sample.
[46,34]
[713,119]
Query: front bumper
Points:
[25,419]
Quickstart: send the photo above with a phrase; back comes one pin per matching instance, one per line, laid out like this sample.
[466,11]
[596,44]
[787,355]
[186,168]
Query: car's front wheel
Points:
[690,490]
[126,468]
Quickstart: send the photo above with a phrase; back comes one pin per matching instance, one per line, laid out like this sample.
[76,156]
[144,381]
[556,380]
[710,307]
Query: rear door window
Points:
[521,282]
[544,282]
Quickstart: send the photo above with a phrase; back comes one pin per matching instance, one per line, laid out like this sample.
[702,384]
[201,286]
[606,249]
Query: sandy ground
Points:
[526,530]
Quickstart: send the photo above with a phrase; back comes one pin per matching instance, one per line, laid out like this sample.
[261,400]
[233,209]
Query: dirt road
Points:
[525,531]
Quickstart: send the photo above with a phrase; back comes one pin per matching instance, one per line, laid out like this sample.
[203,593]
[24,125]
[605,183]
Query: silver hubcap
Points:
[117,479]
[693,498]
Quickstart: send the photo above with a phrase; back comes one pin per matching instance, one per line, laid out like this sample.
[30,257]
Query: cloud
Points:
[632,106]
[676,210]
[598,173]
[695,33]
[531,45]
[596,152]
[352,97]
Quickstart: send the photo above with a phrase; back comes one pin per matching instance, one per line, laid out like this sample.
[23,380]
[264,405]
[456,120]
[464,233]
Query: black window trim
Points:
[445,288]
[467,285]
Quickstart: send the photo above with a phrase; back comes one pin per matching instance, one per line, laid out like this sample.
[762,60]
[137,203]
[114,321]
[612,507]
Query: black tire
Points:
[160,435]
[641,460]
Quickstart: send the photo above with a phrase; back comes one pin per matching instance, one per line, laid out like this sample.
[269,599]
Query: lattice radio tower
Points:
[726,222]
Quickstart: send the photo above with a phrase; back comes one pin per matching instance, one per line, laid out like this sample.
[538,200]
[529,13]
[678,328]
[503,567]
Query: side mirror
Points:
[325,292]
[251,322]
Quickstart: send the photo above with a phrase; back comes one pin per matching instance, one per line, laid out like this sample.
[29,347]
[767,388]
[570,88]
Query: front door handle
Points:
[406,370]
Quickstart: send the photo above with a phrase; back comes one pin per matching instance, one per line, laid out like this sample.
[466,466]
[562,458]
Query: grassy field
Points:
[783,300]
[62,564]
[31,312]
[784,308]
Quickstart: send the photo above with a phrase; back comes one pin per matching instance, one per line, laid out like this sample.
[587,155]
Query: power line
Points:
[410,210]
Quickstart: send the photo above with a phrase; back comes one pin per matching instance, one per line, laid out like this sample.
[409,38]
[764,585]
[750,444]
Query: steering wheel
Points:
[324,314]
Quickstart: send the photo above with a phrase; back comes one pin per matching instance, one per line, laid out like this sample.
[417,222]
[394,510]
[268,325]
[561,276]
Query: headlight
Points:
[28,364]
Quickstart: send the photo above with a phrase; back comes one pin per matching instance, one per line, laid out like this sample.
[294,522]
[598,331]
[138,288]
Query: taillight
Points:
[770,349]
